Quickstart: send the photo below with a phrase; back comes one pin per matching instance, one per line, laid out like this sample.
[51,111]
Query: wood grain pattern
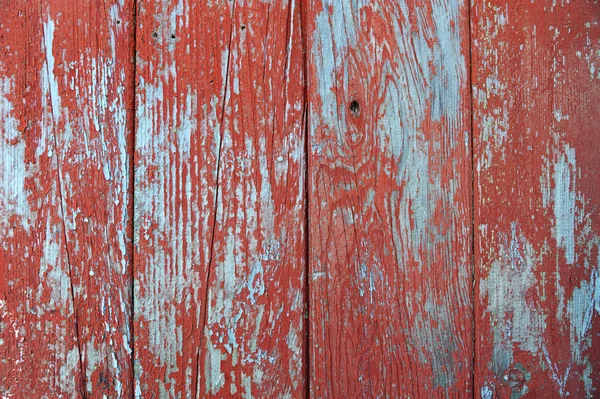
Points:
[536,86]
[390,193]
[219,219]
[66,94]
[253,118]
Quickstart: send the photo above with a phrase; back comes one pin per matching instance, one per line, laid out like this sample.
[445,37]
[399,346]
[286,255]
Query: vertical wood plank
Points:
[66,93]
[536,87]
[390,194]
[219,220]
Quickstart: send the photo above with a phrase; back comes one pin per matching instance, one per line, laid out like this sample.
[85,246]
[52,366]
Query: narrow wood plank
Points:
[536,86]
[219,220]
[390,194]
[66,93]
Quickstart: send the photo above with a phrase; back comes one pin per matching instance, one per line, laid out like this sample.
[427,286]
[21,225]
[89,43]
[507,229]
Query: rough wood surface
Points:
[536,86]
[390,194]
[219,219]
[66,97]
[253,118]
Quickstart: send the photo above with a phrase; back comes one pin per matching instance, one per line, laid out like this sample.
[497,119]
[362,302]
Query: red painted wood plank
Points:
[390,194]
[536,88]
[66,90]
[219,253]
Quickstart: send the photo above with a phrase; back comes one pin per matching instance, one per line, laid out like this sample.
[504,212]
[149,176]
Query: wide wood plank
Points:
[536,88]
[220,216]
[390,194]
[66,98]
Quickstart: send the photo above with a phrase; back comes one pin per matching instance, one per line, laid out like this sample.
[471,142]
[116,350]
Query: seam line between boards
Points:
[472,156]
[132,195]
[306,199]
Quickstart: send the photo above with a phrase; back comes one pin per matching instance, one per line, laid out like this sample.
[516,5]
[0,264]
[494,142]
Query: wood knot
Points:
[515,378]
[355,108]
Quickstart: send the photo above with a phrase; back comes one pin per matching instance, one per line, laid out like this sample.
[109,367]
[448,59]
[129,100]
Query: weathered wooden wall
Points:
[299,198]
[66,102]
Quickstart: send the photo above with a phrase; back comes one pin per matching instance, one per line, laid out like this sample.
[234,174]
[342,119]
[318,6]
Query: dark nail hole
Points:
[243,27]
[173,36]
[355,107]
[118,22]
[154,34]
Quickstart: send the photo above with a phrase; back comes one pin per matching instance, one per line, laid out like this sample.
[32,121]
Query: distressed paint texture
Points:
[66,98]
[389,196]
[219,200]
[536,86]
[253,118]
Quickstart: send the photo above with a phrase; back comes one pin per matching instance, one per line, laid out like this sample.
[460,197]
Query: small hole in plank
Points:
[154,34]
[173,36]
[118,22]
[243,27]
[355,108]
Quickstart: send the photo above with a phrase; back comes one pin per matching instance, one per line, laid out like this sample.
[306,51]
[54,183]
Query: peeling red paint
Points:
[323,201]
[65,100]
[389,193]
[535,91]
[219,203]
